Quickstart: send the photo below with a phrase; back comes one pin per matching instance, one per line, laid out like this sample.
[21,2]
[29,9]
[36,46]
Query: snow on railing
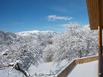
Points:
[69,67]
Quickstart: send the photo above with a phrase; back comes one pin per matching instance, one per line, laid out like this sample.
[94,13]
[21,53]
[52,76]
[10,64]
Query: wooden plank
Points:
[95,17]
[67,70]
[100,66]
[86,60]
[72,65]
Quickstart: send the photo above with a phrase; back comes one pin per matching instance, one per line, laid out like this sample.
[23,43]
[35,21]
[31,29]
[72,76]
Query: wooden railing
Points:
[65,71]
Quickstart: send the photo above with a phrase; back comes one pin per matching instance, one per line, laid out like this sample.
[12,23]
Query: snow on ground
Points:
[46,69]
[42,70]
[85,70]
[10,72]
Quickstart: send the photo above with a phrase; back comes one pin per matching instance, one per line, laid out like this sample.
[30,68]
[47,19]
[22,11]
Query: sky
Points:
[27,15]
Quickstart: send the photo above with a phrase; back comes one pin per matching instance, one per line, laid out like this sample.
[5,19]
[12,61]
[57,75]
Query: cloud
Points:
[55,17]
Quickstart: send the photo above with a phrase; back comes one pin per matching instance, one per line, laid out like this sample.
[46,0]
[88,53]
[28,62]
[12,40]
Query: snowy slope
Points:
[46,69]
[44,52]
[27,47]
[10,72]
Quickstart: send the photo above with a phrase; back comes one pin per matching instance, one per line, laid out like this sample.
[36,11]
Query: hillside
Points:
[51,50]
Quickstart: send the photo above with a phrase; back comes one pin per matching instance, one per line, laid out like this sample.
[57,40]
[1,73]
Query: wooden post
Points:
[100,40]
[100,69]
[95,12]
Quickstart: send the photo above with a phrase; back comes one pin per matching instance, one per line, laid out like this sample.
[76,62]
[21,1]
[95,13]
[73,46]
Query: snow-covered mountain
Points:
[34,48]
[33,41]
[26,47]
[7,37]
[26,33]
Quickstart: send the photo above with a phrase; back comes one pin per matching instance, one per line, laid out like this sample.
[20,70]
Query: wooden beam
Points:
[95,7]
[100,39]
[95,12]
[100,64]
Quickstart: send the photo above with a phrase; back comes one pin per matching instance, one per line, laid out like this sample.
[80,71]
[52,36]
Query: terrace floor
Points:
[89,69]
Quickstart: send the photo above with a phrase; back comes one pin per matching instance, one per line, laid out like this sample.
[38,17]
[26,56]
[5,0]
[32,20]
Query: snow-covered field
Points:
[10,72]
[46,69]
[89,69]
